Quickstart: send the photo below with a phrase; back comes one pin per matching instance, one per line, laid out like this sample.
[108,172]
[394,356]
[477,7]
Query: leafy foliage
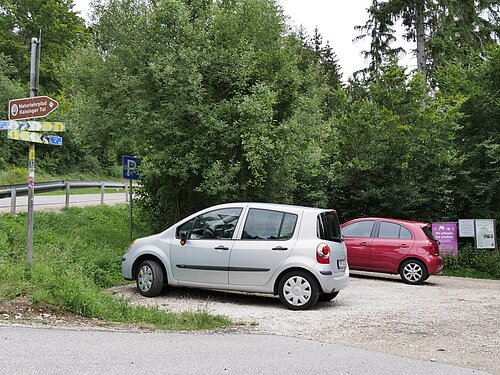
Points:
[61,29]
[221,106]
[395,157]
[223,101]
[442,29]
[473,263]
[9,89]
[478,137]
[461,29]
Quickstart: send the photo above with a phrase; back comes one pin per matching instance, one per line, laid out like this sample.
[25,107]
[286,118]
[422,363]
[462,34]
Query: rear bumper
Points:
[333,283]
[435,265]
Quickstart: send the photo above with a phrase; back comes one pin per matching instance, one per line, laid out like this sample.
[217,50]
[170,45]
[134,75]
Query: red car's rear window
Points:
[428,232]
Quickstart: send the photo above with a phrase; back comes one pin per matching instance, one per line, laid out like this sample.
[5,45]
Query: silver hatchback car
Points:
[291,251]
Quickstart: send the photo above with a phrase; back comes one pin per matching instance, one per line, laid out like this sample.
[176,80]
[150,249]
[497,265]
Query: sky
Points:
[335,20]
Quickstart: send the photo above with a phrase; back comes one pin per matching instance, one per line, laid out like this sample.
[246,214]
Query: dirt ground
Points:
[448,320]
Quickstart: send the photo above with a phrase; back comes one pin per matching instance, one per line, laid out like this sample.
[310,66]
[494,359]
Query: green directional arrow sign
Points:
[33,126]
[46,139]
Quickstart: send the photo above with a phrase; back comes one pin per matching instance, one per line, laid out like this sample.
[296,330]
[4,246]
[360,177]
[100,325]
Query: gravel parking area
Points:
[449,320]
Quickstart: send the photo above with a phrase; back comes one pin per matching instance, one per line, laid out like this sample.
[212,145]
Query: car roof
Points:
[419,223]
[274,206]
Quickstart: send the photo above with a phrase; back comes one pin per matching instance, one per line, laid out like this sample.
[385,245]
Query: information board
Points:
[446,234]
[466,228]
[485,234]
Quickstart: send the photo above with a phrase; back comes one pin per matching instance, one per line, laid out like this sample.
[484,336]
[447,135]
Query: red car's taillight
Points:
[435,245]
[323,253]
[432,247]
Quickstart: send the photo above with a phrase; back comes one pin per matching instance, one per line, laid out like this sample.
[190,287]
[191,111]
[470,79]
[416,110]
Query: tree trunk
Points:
[420,30]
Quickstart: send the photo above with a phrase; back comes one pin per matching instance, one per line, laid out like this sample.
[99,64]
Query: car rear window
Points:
[389,230]
[428,232]
[405,233]
[392,230]
[328,226]
[269,225]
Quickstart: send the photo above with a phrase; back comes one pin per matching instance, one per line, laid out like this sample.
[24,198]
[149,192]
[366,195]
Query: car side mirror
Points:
[184,237]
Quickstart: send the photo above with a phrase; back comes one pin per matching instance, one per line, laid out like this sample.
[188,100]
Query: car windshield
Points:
[328,227]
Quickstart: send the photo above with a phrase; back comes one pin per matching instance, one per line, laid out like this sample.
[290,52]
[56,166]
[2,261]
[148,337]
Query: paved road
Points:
[62,351]
[56,202]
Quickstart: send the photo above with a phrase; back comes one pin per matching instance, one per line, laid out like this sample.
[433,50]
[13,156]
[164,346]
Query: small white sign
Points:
[466,228]
[485,234]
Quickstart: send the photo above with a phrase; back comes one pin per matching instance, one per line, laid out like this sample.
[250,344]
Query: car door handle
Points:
[221,247]
[403,245]
[280,248]
[364,243]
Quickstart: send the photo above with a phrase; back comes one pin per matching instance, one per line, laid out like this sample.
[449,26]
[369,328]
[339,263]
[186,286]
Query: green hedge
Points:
[470,262]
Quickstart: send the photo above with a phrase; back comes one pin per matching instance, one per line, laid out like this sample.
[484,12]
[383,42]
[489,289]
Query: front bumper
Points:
[127,267]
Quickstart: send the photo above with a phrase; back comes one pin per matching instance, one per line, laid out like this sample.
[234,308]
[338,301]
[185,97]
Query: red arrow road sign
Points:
[38,106]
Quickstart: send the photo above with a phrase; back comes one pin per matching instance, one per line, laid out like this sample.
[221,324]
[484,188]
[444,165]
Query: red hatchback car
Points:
[392,246]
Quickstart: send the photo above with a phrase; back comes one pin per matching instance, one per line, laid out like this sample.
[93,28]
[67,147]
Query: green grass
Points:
[77,254]
[479,264]
[19,175]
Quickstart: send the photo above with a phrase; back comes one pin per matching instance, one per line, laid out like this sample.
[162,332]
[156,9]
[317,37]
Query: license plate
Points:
[341,263]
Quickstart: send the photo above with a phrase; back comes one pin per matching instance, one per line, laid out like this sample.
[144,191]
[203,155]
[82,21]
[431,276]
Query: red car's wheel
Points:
[413,272]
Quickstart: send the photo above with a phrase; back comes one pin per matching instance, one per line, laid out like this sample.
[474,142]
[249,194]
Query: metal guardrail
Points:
[13,191]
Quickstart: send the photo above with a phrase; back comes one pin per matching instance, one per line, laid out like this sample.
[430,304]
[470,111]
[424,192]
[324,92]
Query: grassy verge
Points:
[77,253]
[18,175]
[480,264]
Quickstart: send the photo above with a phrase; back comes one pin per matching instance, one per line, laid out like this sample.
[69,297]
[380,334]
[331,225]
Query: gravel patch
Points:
[447,319]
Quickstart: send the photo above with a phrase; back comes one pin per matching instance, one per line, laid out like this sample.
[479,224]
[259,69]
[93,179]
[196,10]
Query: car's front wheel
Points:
[150,278]
[298,290]
[413,272]
[326,297]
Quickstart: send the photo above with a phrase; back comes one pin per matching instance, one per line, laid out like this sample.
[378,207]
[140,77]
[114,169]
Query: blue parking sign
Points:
[131,168]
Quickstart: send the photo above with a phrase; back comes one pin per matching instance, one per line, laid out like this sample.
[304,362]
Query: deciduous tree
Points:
[61,29]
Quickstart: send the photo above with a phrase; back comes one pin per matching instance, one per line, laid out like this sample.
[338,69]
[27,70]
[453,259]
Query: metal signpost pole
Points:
[21,129]
[131,172]
[31,154]
[130,224]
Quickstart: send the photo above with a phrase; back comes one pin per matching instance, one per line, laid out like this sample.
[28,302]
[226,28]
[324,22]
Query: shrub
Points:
[472,262]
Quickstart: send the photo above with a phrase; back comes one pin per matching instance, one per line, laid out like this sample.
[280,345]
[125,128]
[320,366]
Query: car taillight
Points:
[323,253]
[432,247]
[435,245]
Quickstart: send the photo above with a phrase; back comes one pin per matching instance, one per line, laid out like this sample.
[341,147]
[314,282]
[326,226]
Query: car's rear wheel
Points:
[298,290]
[413,272]
[150,278]
[325,297]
